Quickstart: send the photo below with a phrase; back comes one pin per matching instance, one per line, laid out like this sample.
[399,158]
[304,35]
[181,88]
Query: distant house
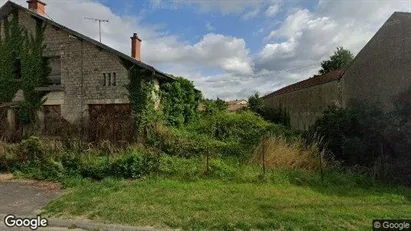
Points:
[87,77]
[236,105]
[380,71]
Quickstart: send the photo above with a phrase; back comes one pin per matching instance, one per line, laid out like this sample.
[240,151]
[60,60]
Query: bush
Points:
[221,134]
[275,115]
[8,156]
[31,149]
[183,143]
[354,135]
[134,165]
[369,136]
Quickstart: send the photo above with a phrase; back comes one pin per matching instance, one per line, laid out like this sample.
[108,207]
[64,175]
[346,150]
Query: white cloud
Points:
[251,14]
[225,7]
[213,51]
[209,26]
[272,10]
[304,37]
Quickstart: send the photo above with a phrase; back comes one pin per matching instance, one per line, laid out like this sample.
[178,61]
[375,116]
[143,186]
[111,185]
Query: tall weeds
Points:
[280,154]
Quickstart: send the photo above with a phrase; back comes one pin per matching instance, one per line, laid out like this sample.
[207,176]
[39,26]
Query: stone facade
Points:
[87,72]
[82,68]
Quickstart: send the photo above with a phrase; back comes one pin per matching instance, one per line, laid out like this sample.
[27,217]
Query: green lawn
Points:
[215,204]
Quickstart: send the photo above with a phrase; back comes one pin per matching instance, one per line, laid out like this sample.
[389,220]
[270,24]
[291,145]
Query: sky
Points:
[231,49]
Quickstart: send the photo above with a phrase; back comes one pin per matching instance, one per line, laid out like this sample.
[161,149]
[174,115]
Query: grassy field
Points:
[226,205]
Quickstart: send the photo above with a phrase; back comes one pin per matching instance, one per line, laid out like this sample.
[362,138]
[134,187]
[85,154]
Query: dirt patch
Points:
[51,186]
[6,177]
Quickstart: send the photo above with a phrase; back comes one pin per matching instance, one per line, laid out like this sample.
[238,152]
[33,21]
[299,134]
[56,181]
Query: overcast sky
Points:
[231,48]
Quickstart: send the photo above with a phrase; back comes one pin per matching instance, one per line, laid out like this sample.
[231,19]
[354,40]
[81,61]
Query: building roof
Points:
[8,6]
[313,81]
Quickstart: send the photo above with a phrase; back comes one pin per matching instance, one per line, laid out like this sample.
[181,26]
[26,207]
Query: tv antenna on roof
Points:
[99,23]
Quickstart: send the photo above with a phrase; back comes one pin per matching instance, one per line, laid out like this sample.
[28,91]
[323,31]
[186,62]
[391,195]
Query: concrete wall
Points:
[305,106]
[382,68]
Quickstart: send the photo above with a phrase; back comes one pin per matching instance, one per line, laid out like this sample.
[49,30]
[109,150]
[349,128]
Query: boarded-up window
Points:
[55,74]
[112,122]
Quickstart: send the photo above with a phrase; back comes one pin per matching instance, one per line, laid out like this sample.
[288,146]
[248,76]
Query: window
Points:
[17,68]
[110,79]
[114,79]
[55,74]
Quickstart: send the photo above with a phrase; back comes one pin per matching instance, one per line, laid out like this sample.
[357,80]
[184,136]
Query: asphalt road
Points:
[24,198]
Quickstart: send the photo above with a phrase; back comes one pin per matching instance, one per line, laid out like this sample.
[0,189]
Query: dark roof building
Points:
[85,73]
[380,71]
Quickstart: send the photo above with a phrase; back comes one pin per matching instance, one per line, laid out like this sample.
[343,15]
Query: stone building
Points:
[86,74]
[380,71]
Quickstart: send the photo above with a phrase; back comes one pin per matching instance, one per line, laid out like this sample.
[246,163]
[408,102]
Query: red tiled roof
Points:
[316,80]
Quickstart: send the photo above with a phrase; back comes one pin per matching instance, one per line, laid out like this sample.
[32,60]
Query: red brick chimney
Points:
[136,47]
[37,6]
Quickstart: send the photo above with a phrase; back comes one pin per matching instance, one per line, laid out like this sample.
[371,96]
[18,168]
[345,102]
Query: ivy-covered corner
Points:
[23,66]
[141,94]
[180,102]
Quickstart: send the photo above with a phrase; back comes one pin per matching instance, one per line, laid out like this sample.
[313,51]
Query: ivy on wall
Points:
[11,45]
[34,73]
[22,66]
[140,94]
[180,102]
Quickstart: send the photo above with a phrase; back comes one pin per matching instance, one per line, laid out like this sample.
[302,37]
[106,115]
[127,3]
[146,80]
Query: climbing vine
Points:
[22,66]
[140,94]
[34,73]
[180,102]
[11,44]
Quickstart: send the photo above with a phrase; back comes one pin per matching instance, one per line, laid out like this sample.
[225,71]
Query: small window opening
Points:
[114,79]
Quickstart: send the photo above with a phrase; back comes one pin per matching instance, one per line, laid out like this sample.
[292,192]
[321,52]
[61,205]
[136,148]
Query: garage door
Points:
[112,122]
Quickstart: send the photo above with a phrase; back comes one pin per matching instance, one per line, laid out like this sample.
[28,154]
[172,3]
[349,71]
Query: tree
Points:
[214,106]
[341,58]
[255,102]
[276,115]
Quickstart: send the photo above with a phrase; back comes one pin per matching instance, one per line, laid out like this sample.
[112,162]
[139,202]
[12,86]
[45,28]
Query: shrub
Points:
[183,143]
[245,127]
[354,135]
[134,165]
[8,156]
[276,115]
[31,149]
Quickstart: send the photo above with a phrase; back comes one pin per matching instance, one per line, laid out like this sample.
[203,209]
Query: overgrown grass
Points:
[277,153]
[291,200]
